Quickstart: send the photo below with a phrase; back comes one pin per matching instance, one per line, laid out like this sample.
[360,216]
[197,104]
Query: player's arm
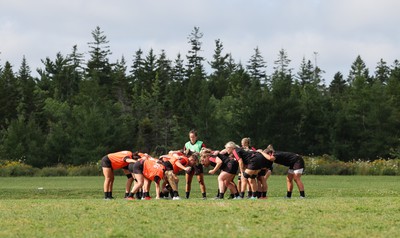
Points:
[129,160]
[269,157]
[218,165]
[241,166]
[181,166]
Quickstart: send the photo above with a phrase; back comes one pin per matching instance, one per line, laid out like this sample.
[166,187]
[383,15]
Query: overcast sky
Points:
[338,30]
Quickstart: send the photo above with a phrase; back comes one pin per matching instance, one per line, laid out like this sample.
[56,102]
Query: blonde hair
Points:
[269,149]
[231,144]
[246,141]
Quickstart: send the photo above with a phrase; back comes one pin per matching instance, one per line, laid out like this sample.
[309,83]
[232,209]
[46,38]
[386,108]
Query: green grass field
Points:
[336,206]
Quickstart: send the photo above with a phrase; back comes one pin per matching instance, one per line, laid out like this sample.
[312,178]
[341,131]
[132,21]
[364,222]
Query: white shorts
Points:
[296,171]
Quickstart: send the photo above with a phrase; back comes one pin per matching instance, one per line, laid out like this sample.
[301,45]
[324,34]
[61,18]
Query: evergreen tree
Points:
[284,109]
[9,96]
[195,87]
[358,70]
[218,79]
[382,72]
[281,66]
[256,67]
[306,72]
[194,59]
[338,85]
[26,90]
[23,141]
[137,73]
[98,66]
[121,87]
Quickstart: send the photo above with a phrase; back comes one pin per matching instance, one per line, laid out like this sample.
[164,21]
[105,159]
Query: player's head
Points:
[193,159]
[230,146]
[245,142]
[269,149]
[204,156]
[193,136]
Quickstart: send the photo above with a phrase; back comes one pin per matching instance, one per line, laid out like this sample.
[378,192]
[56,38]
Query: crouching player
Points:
[255,161]
[296,168]
[113,161]
[145,171]
[174,162]
[228,166]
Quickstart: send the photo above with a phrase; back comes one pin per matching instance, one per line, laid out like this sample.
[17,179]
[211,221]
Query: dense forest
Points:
[78,110]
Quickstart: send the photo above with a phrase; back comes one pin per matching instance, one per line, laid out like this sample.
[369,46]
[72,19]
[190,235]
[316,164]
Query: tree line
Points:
[78,110]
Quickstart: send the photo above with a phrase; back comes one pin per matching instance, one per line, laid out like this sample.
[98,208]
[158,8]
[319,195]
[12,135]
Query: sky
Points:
[330,33]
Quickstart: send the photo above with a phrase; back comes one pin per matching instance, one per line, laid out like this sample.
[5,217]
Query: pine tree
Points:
[358,70]
[218,79]
[98,66]
[9,96]
[194,59]
[26,90]
[256,67]
[382,72]
[338,85]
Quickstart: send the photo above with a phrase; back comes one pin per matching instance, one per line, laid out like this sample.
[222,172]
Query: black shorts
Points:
[299,164]
[168,166]
[136,168]
[231,166]
[262,172]
[257,162]
[196,170]
[106,162]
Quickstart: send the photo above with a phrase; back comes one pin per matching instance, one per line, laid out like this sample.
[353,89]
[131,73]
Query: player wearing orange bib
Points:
[111,162]
[146,171]
[174,162]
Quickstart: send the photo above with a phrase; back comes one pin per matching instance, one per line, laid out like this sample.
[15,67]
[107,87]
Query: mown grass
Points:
[337,206]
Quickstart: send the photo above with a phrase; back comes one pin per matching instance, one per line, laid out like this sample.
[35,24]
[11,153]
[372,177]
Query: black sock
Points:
[105,194]
[258,194]
[232,195]
[249,194]
[204,195]
[131,195]
[302,194]
[187,194]
[242,194]
[289,194]
[221,195]
[126,194]
[237,195]
[138,195]
[264,194]
[175,194]
[110,195]
[217,193]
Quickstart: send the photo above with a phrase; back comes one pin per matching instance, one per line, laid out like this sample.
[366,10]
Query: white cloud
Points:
[338,30]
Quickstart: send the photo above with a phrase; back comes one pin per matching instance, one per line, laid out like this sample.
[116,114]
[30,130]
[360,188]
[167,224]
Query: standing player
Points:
[194,145]
[111,162]
[296,168]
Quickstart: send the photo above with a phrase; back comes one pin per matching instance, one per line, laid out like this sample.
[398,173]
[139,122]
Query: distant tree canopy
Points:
[76,111]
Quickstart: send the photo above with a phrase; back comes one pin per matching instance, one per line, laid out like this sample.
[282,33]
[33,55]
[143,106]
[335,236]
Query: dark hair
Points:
[193,131]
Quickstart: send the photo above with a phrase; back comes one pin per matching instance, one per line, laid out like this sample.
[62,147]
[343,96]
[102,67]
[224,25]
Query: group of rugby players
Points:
[254,167]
